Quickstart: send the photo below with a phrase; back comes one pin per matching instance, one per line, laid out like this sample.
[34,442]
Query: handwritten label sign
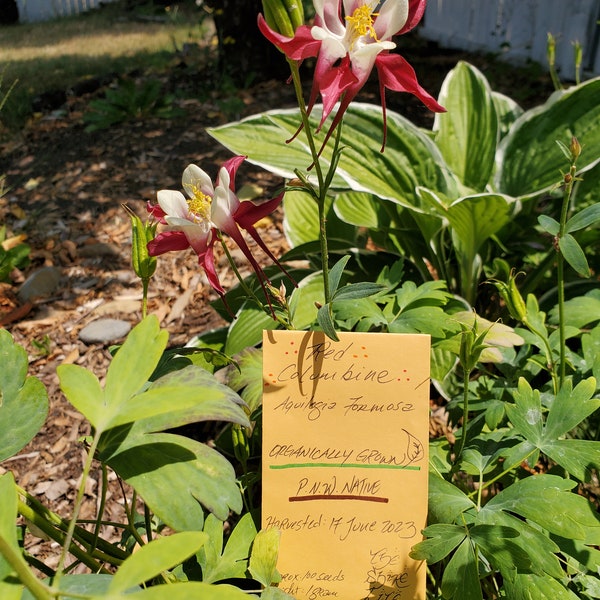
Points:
[345,452]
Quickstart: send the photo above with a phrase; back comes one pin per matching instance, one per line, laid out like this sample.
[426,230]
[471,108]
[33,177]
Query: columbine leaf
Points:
[531,541]
[574,255]
[584,218]
[550,225]
[135,361]
[461,578]
[263,560]
[446,501]
[555,509]
[174,475]
[326,322]
[152,559]
[571,407]
[336,272]
[442,538]
[23,400]
[233,562]
[186,396]
[580,311]
[355,291]
[245,377]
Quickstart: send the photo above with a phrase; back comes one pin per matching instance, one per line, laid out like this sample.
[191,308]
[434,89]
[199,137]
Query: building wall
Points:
[43,10]
[518,29]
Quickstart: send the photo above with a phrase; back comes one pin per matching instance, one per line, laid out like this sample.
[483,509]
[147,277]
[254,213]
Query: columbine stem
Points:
[569,179]
[78,502]
[322,189]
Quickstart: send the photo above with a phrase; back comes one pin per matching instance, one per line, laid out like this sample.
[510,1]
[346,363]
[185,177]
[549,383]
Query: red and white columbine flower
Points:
[349,38]
[194,222]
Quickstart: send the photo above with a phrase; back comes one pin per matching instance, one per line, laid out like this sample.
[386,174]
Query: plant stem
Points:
[322,189]
[31,582]
[560,271]
[463,437]
[77,507]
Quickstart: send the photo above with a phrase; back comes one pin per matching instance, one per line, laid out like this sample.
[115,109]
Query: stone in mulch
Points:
[104,331]
[40,284]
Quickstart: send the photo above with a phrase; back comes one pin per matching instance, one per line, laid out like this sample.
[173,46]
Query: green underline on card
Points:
[343,466]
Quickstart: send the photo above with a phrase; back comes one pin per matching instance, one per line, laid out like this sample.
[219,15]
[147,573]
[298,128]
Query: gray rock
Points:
[39,284]
[104,331]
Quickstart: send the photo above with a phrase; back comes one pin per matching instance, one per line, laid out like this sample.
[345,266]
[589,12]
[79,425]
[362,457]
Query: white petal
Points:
[328,13]
[221,212]
[173,203]
[392,18]
[195,178]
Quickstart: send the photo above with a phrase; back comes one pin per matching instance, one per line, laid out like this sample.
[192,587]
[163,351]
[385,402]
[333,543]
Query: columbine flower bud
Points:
[143,264]
[575,148]
[512,298]
[284,16]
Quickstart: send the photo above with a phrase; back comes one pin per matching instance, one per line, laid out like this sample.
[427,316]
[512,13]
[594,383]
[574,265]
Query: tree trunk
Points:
[244,53]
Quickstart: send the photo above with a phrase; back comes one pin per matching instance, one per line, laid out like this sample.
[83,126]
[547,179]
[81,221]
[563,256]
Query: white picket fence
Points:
[518,29]
[44,10]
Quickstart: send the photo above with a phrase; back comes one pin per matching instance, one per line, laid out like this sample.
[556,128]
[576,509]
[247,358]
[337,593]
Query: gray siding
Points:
[518,29]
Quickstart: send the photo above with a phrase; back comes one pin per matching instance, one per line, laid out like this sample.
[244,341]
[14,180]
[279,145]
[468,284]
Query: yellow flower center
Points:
[199,205]
[361,23]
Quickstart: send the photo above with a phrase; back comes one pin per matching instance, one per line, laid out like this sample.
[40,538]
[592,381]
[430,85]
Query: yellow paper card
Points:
[345,452]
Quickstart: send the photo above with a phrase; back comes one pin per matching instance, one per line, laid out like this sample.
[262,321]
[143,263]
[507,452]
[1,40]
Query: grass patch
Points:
[55,55]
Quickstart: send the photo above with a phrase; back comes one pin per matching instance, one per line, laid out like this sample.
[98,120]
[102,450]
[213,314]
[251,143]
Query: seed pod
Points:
[143,264]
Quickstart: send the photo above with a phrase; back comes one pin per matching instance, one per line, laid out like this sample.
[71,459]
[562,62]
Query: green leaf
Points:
[508,112]
[529,586]
[233,562]
[526,413]
[446,501]
[87,585]
[531,541]
[245,377]
[410,157]
[556,508]
[82,389]
[23,399]
[590,215]
[440,540]
[301,219]
[175,475]
[580,311]
[275,593]
[467,133]
[263,560]
[8,535]
[500,546]
[180,397]
[181,591]
[135,361]
[580,458]
[461,578]
[574,254]
[473,220]
[246,329]
[325,320]
[304,298]
[360,209]
[573,112]
[354,291]
[336,272]
[160,555]
[550,225]
[570,407]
